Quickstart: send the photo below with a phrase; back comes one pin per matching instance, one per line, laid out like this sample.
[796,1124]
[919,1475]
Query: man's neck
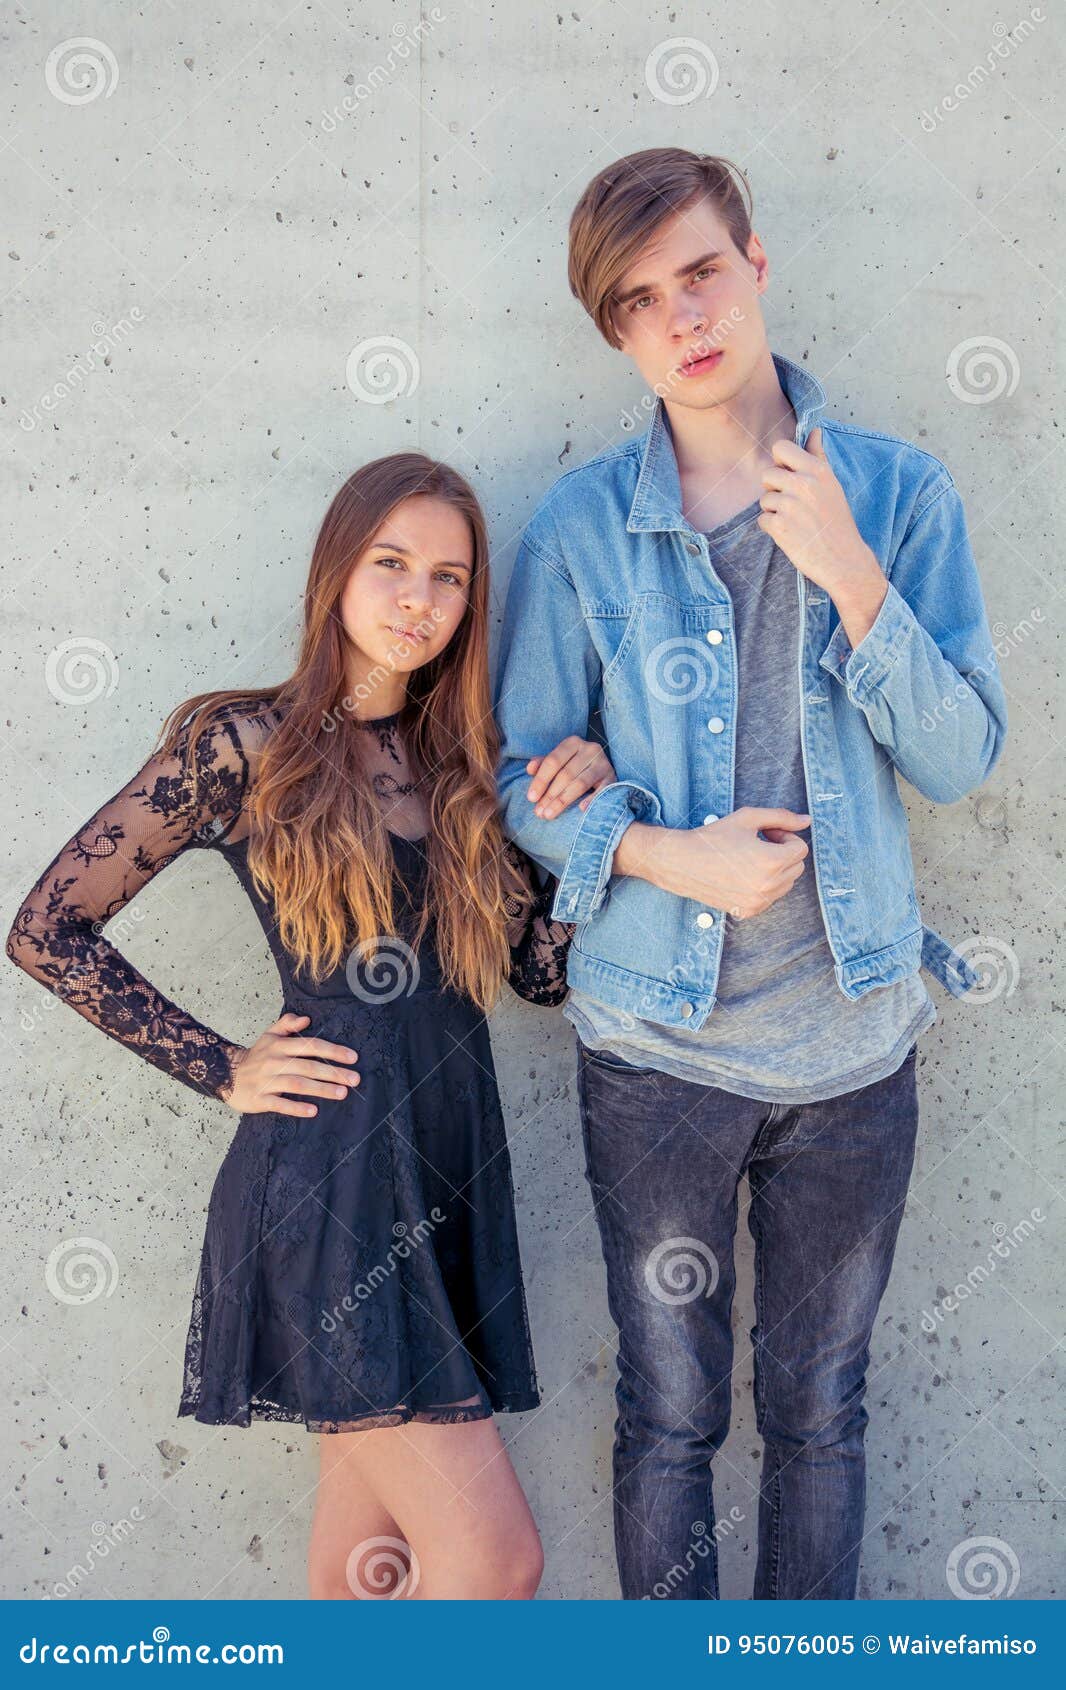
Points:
[737,433]
[722,451]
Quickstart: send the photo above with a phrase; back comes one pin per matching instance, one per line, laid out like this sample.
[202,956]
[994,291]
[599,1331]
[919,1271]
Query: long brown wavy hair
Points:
[318,842]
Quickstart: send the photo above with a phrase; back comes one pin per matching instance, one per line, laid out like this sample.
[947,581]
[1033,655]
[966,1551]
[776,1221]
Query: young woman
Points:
[360,1270]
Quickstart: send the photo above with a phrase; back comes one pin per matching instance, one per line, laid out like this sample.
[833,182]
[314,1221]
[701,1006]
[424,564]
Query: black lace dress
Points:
[360,1267]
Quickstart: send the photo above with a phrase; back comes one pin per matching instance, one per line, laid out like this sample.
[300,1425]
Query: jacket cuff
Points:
[861,671]
[583,883]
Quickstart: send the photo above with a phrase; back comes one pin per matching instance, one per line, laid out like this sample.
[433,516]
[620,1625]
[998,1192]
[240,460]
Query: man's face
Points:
[688,313]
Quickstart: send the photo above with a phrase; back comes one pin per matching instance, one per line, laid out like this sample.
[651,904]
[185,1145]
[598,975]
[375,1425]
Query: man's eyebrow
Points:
[649,287]
[395,546]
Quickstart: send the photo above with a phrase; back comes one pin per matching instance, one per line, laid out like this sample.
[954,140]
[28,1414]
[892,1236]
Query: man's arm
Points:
[547,681]
[925,675]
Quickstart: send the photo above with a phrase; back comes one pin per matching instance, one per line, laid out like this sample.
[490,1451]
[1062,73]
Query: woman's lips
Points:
[702,365]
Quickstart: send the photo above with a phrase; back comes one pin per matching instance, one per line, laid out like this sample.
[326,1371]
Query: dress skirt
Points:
[360,1267]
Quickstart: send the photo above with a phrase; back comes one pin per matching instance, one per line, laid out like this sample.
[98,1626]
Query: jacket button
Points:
[707,820]
[690,548]
[686,1010]
[714,635]
[705,919]
[716,724]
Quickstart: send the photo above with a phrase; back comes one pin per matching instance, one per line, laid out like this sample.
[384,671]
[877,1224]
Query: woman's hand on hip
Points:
[281,1060]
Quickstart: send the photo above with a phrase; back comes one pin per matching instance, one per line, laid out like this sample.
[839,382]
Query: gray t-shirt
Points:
[781,1030]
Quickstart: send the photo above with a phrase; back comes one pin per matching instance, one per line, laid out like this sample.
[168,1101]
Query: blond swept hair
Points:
[622,207]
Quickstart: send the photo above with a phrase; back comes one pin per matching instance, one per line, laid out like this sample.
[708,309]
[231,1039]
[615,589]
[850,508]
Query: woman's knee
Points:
[490,1566]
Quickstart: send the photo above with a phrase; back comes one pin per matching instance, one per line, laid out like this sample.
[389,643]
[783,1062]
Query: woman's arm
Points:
[174,803]
[538,944]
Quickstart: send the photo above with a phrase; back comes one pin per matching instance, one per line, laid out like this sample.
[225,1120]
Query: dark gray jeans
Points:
[828,1182]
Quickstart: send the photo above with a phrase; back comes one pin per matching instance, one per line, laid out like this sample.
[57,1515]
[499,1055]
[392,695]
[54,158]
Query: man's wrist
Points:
[639,852]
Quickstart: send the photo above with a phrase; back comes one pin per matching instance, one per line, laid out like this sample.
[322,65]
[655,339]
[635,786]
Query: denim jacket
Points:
[614,606]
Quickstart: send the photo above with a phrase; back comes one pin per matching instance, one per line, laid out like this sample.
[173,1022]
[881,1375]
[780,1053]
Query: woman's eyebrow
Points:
[395,546]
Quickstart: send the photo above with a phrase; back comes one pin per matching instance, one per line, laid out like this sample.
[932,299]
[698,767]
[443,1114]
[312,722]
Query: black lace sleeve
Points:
[172,804]
[538,944]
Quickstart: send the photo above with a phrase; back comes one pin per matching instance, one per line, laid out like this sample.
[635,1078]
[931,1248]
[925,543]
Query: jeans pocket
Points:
[612,1062]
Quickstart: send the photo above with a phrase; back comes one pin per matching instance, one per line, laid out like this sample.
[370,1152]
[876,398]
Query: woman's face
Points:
[408,590]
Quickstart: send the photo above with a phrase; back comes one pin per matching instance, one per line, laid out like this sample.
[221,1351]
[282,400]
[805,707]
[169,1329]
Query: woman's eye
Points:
[450,579]
[386,561]
[637,303]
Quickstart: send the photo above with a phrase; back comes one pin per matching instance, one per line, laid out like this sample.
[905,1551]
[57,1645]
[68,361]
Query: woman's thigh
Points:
[450,1489]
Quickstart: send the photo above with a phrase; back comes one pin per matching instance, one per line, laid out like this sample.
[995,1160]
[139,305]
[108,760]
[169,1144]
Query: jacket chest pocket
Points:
[671,650]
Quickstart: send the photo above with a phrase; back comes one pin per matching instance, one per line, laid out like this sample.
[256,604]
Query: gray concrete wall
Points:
[201,225]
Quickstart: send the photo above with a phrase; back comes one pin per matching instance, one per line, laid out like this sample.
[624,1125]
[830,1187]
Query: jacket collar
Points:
[657,500]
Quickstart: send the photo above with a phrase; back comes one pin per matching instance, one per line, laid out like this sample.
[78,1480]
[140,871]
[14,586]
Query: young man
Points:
[776,615]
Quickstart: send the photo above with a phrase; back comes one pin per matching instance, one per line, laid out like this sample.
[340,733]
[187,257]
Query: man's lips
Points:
[701,365]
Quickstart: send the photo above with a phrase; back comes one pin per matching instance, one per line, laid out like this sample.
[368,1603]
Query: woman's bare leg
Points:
[355,1549]
[450,1492]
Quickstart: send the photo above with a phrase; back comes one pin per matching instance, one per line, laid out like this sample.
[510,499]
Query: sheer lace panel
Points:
[539,945]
